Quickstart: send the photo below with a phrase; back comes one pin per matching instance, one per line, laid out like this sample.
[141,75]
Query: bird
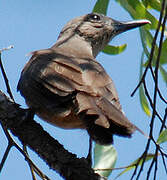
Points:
[67,87]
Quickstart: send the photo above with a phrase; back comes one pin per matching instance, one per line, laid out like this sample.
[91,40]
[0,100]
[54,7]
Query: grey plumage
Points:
[67,87]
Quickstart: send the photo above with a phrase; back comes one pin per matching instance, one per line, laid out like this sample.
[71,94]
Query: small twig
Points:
[164,121]
[8,48]
[10,145]
[159,51]
[151,103]
[30,165]
[5,156]
[152,49]
[154,160]
[164,162]
[137,164]
[155,100]
[4,73]
[156,165]
[159,92]
[155,96]
[33,167]
[144,158]
[162,126]
[13,143]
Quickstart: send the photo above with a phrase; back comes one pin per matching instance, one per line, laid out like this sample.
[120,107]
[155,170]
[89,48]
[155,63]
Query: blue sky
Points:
[32,25]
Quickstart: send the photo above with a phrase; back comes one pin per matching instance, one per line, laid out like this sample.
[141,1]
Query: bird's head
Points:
[97,29]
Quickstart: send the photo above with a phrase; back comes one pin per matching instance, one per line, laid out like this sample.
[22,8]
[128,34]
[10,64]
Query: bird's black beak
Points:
[120,27]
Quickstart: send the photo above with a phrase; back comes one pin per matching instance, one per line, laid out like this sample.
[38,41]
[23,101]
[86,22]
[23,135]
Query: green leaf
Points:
[147,38]
[162,137]
[163,58]
[133,164]
[152,4]
[138,11]
[114,49]
[144,41]
[101,6]
[155,4]
[104,158]
[163,73]
[143,100]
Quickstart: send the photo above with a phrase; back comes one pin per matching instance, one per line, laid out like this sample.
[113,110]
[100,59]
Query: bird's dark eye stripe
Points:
[93,17]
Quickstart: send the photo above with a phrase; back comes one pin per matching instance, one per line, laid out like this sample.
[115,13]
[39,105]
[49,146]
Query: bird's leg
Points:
[89,156]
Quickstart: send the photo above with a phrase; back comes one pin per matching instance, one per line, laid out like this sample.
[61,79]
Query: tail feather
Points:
[118,122]
[103,119]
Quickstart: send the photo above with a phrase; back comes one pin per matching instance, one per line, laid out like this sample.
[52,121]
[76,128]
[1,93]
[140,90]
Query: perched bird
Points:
[68,88]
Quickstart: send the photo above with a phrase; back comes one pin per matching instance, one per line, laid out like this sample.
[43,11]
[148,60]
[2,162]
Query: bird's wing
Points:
[65,77]
[105,103]
[48,77]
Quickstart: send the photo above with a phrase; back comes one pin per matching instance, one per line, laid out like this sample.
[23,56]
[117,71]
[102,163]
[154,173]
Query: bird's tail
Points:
[103,119]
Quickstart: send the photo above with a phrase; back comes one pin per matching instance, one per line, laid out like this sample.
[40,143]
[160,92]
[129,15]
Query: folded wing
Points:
[64,86]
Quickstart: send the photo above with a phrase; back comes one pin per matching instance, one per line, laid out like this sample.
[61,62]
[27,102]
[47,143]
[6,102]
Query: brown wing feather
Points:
[75,84]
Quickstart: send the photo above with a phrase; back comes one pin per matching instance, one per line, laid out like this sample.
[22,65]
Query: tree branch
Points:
[50,150]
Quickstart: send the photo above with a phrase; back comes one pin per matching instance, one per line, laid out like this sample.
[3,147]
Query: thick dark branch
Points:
[50,150]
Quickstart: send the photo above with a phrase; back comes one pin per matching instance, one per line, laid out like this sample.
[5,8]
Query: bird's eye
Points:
[93,17]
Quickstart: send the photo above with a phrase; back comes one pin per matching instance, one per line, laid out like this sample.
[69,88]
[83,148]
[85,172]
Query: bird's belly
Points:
[62,120]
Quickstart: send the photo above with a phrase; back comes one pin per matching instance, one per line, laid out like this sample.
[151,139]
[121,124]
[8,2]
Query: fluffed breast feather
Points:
[76,83]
